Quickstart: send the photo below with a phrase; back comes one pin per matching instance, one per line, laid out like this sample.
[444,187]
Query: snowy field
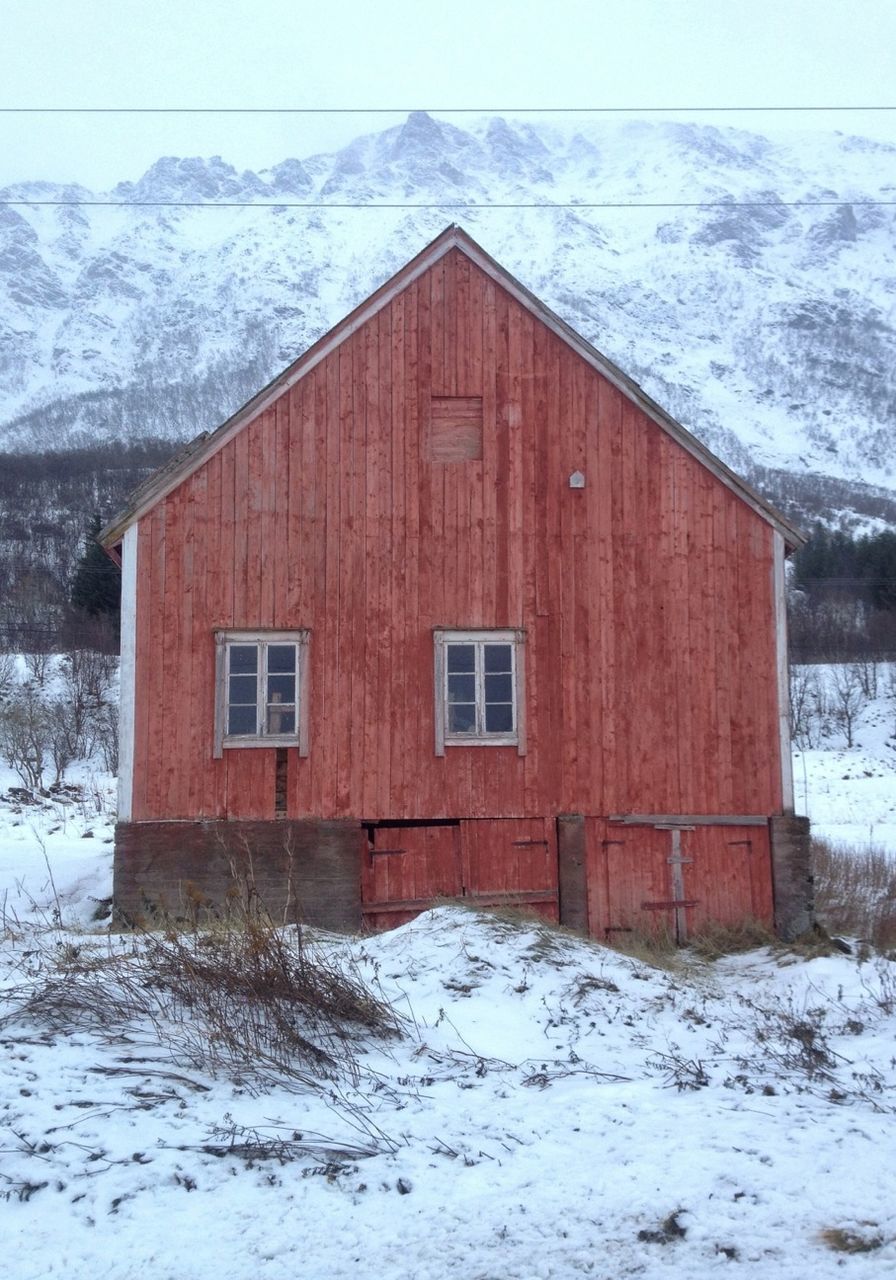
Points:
[849,792]
[551,1109]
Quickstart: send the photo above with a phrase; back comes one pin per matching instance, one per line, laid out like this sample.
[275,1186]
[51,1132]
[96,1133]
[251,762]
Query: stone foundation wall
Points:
[792,875]
[306,870]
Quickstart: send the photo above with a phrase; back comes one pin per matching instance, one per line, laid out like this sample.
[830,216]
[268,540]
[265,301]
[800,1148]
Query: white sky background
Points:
[489,54]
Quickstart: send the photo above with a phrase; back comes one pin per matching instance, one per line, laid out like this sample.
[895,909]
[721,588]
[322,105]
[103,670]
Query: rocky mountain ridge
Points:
[750,291]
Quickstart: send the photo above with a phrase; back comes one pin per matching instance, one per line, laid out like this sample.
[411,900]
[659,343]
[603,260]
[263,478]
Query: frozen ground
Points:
[553,1109]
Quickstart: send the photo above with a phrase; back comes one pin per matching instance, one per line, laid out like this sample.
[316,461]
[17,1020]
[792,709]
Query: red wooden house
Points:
[452,608]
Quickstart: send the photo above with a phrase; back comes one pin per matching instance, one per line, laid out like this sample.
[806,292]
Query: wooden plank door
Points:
[729,875]
[630,887]
[406,869]
[511,862]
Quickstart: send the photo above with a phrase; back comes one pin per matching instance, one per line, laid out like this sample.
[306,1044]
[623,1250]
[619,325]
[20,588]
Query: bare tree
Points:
[804,706]
[7,675]
[891,691]
[61,738]
[24,734]
[106,734]
[866,671]
[87,679]
[848,698]
[38,666]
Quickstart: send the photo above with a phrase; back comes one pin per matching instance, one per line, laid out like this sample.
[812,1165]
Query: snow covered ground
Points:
[553,1108]
[850,792]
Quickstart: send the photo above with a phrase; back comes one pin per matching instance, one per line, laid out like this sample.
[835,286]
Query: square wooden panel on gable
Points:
[455,433]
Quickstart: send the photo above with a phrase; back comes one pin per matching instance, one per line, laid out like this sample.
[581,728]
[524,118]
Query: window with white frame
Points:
[261,690]
[479,689]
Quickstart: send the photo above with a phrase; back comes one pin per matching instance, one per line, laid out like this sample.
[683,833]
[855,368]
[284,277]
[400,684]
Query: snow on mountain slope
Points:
[767,329]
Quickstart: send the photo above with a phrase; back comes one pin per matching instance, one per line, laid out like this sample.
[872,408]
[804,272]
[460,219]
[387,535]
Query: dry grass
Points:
[257,1003]
[847,1240]
[855,892]
[717,940]
[658,949]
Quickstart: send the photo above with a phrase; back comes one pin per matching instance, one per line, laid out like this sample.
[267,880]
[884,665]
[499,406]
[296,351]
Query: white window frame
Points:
[299,738]
[444,637]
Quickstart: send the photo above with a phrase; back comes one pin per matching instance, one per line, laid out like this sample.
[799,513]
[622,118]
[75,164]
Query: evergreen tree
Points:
[96,589]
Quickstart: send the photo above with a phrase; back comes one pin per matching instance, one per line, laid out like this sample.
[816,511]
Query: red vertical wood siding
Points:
[646,597]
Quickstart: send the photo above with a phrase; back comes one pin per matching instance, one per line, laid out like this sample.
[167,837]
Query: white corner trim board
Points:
[127,672]
[780,597]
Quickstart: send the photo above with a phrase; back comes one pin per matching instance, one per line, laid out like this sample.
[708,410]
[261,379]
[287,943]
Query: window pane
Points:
[499,688]
[499,717]
[243,658]
[242,720]
[281,657]
[461,717]
[461,657]
[281,719]
[461,688]
[243,690]
[498,657]
[281,688]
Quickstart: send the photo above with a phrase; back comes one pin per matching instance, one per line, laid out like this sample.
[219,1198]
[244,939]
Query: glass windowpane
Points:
[498,657]
[243,658]
[461,657]
[281,719]
[461,717]
[281,657]
[281,688]
[461,688]
[499,688]
[243,690]
[499,717]
[242,720]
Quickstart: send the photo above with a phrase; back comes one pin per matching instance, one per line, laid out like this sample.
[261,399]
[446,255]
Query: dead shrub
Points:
[268,997]
[260,1004]
[855,892]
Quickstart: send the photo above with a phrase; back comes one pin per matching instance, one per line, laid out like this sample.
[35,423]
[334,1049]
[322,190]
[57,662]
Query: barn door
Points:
[629,880]
[730,875]
[405,869]
[675,879]
[489,862]
[511,862]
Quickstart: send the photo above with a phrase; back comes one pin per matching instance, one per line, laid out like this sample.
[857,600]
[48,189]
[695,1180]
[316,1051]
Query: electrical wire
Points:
[447,204]
[444,111]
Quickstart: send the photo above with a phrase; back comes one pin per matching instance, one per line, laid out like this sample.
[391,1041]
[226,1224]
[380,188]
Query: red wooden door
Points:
[654,880]
[405,869]
[629,880]
[488,862]
[511,862]
[627,877]
[729,875]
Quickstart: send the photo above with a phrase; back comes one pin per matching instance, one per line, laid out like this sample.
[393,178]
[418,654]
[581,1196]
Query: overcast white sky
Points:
[405,53]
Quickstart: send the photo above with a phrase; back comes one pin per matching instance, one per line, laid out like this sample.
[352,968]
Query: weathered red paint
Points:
[646,598]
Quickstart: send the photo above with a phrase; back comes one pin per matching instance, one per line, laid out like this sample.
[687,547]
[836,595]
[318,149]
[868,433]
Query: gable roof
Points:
[190,458]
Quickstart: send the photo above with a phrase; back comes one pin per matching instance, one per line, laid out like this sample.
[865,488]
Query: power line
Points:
[445,111]
[449,204]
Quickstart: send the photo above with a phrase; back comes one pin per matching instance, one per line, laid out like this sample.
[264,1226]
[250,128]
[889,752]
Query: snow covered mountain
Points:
[769,330]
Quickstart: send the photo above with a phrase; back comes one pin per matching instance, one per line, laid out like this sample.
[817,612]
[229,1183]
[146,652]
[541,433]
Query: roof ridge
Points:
[189,459]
